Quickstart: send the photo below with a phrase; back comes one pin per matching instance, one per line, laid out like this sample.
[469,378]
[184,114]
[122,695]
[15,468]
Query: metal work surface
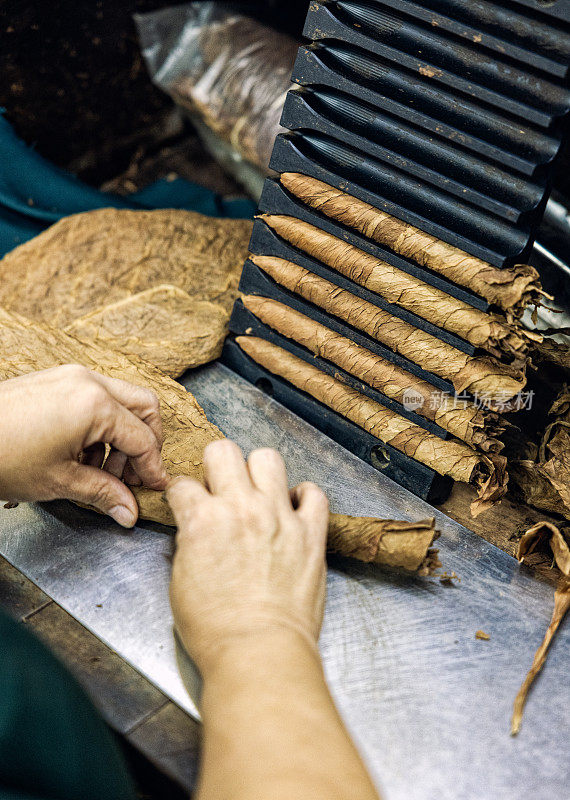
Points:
[428,703]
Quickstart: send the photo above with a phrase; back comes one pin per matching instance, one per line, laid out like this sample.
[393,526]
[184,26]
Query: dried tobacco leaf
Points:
[551,352]
[488,331]
[463,419]
[89,260]
[447,457]
[561,606]
[541,534]
[545,481]
[406,545]
[546,533]
[164,326]
[26,346]
[510,289]
[484,376]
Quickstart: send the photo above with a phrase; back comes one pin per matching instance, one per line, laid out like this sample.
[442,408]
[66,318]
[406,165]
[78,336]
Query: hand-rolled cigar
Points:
[490,332]
[26,346]
[511,289]
[406,545]
[482,376]
[461,418]
[447,457]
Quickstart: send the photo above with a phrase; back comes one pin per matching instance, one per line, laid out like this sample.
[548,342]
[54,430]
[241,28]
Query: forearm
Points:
[271,730]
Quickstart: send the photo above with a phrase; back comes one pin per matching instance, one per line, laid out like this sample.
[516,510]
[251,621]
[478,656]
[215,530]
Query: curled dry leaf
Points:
[164,326]
[447,457]
[490,332]
[545,481]
[462,419]
[540,535]
[509,289]
[26,346]
[561,606]
[484,376]
[89,260]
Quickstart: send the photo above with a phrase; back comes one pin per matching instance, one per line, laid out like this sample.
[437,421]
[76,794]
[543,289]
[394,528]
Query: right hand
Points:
[250,556]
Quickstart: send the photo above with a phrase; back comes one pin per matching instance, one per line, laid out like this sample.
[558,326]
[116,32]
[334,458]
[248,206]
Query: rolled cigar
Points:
[479,375]
[26,346]
[384,541]
[463,419]
[447,457]
[511,289]
[490,332]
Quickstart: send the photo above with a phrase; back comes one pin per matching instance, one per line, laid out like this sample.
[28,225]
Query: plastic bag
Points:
[226,68]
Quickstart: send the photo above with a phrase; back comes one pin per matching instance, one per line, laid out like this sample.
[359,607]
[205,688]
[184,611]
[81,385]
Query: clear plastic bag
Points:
[226,68]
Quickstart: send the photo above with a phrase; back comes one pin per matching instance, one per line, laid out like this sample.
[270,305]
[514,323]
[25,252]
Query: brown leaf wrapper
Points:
[406,545]
[462,419]
[484,376]
[488,331]
[512,289]
[543,534]
[447,457]
[544,479]
[26,346]
[551,352]
[86,261]
[164,326]
[561,606]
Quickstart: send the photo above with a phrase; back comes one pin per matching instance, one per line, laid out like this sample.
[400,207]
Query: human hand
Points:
[250,556]
[53,429]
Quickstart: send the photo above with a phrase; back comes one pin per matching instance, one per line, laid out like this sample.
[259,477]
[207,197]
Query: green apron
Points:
[52,742]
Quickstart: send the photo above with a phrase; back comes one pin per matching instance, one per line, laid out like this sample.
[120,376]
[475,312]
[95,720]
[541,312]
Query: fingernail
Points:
[123,516]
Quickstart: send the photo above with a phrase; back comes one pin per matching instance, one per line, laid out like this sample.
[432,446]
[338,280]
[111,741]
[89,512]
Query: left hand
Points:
[54,426]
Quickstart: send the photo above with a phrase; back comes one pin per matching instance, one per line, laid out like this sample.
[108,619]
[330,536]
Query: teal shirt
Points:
[52,742]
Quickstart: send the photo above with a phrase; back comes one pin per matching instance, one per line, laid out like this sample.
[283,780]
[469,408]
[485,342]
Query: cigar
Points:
[393,543]
[479,375]
[511,289]
[490,332]
[447,457]
[464,420]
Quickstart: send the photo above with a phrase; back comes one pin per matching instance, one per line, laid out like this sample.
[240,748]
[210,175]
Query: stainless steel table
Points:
[427,702]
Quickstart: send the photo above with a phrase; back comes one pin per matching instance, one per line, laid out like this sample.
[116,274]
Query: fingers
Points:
[311,504]
[268,474]
[94,487]
[225,469]
[127,433]
[142,402]
[116,463]
[183,495]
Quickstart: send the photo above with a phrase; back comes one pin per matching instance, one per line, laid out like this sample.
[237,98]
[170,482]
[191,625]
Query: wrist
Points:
[255,650]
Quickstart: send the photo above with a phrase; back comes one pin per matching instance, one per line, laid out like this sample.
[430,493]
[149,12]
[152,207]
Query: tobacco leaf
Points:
[545,481]
[511,289]
[483,376]
[462,419]
[543,534]
[89,260]
[447,457]
[164,326]
[561,606]
[551,352]
[489,331]
[26,346]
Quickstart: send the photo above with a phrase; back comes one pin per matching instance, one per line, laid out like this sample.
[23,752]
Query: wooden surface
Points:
[130,704]
[503,525]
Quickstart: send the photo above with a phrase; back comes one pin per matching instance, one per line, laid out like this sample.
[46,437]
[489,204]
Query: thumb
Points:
[101,490]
